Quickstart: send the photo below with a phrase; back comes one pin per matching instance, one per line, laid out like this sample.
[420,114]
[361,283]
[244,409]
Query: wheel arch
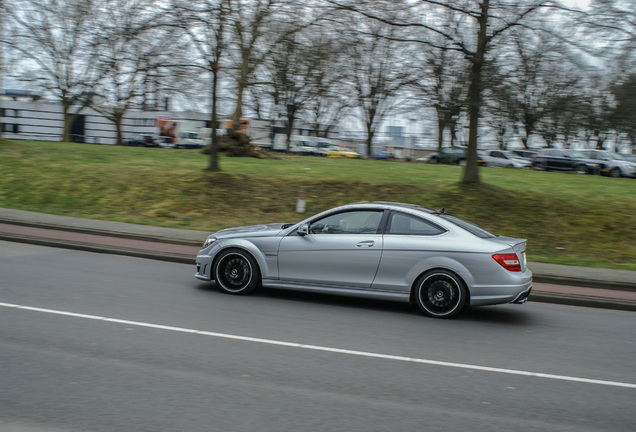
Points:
[458,274]
[244,246]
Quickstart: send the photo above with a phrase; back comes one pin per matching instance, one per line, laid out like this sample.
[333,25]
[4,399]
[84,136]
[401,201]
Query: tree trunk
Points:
[118,118]
[68,120]
[214,139]
[289,128]
[471,172]
[441,124]
[370,135]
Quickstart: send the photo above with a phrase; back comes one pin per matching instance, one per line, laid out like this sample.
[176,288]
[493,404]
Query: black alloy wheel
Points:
[236,272]
[440,294]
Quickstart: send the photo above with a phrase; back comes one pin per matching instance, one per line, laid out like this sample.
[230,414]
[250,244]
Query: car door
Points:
[340,250]
[498,158]
[408,241]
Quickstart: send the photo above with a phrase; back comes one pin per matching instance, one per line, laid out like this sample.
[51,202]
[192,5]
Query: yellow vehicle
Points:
[342,152]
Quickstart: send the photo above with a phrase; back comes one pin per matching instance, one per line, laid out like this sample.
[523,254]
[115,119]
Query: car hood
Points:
[264,230]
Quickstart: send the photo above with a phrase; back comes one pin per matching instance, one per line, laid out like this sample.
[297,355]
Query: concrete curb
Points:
[97,248]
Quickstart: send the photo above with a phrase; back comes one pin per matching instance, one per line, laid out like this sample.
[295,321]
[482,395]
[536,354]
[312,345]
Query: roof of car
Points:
[396,204]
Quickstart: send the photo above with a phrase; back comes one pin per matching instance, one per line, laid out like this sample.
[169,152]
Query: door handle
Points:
[367,243]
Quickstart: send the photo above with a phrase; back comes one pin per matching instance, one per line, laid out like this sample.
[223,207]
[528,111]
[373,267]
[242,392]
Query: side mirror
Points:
[303,230]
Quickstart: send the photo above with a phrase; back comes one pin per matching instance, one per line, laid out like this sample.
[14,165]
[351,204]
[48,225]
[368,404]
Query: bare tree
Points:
[375,76]
[482,24]
[204,22]
[257,27]
[441,80]
[297,70]
[532,77]
[54,44]
[624,116]
[130,52]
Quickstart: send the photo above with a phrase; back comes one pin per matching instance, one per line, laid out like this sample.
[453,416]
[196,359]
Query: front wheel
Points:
[440,294]
[236,272]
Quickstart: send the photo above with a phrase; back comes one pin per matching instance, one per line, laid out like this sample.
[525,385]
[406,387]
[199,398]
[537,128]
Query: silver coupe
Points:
[382,250]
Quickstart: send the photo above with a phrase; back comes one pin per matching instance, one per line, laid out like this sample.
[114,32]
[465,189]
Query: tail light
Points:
[509,261]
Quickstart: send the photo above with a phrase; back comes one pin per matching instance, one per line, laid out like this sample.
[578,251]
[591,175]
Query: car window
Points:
[352,222]
[468,226]
[404,224]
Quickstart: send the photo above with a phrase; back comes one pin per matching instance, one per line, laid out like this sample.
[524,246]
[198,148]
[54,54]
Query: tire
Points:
[236,272]
[440,294]
[615,172]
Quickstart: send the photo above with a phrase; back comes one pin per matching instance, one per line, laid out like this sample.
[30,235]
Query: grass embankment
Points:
[567,218]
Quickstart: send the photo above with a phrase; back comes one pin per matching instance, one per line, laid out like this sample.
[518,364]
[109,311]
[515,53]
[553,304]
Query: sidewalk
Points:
[580,286]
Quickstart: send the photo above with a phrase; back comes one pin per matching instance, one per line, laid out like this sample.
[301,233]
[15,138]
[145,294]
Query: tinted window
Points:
[352,222]
[404,224]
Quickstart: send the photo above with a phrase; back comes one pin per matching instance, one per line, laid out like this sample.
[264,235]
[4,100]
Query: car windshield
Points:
[468,226]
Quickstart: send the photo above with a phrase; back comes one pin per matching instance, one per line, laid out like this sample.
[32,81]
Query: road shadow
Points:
[497,314]
[483,314]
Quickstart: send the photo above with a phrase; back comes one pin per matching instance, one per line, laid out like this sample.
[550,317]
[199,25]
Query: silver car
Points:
[382,250]
[505,159]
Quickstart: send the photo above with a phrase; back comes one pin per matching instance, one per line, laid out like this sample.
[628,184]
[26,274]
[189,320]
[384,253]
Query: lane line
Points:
[323,348]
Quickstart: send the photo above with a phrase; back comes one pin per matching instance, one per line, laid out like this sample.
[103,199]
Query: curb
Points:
[583,301]
[96,248]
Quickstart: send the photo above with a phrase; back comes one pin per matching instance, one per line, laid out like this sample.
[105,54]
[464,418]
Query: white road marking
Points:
[323,348]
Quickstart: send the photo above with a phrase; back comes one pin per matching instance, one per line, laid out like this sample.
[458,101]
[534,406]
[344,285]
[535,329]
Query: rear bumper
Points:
[523,297]
[502,294]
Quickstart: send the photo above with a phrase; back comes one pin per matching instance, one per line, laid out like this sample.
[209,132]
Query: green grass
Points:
[567,218]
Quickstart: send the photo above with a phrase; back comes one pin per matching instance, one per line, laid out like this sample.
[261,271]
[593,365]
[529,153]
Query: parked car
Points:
[165,142]
[525,154]
[552,159]
[454,155]
[629,157]
[143,141]
[342,152]
[612,164]
[383,250]
[384,155]
[505,159]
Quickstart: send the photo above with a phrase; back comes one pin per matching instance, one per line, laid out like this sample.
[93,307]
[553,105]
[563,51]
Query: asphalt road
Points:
[92,342]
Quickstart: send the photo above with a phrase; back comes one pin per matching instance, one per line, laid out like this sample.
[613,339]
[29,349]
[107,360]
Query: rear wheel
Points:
[615,172]
[236,272]
[440,294]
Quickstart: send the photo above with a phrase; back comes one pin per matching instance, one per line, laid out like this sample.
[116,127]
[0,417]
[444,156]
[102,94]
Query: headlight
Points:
[208,241]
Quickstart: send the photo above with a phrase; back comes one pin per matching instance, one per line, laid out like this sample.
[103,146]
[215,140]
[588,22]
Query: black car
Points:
[564,160]
[451,155]
[143,141]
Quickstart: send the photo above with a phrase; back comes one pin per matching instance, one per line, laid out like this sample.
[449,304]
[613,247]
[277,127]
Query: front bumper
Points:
[204,267]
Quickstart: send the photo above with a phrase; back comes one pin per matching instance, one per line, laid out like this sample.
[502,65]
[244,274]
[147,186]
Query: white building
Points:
[24,117]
